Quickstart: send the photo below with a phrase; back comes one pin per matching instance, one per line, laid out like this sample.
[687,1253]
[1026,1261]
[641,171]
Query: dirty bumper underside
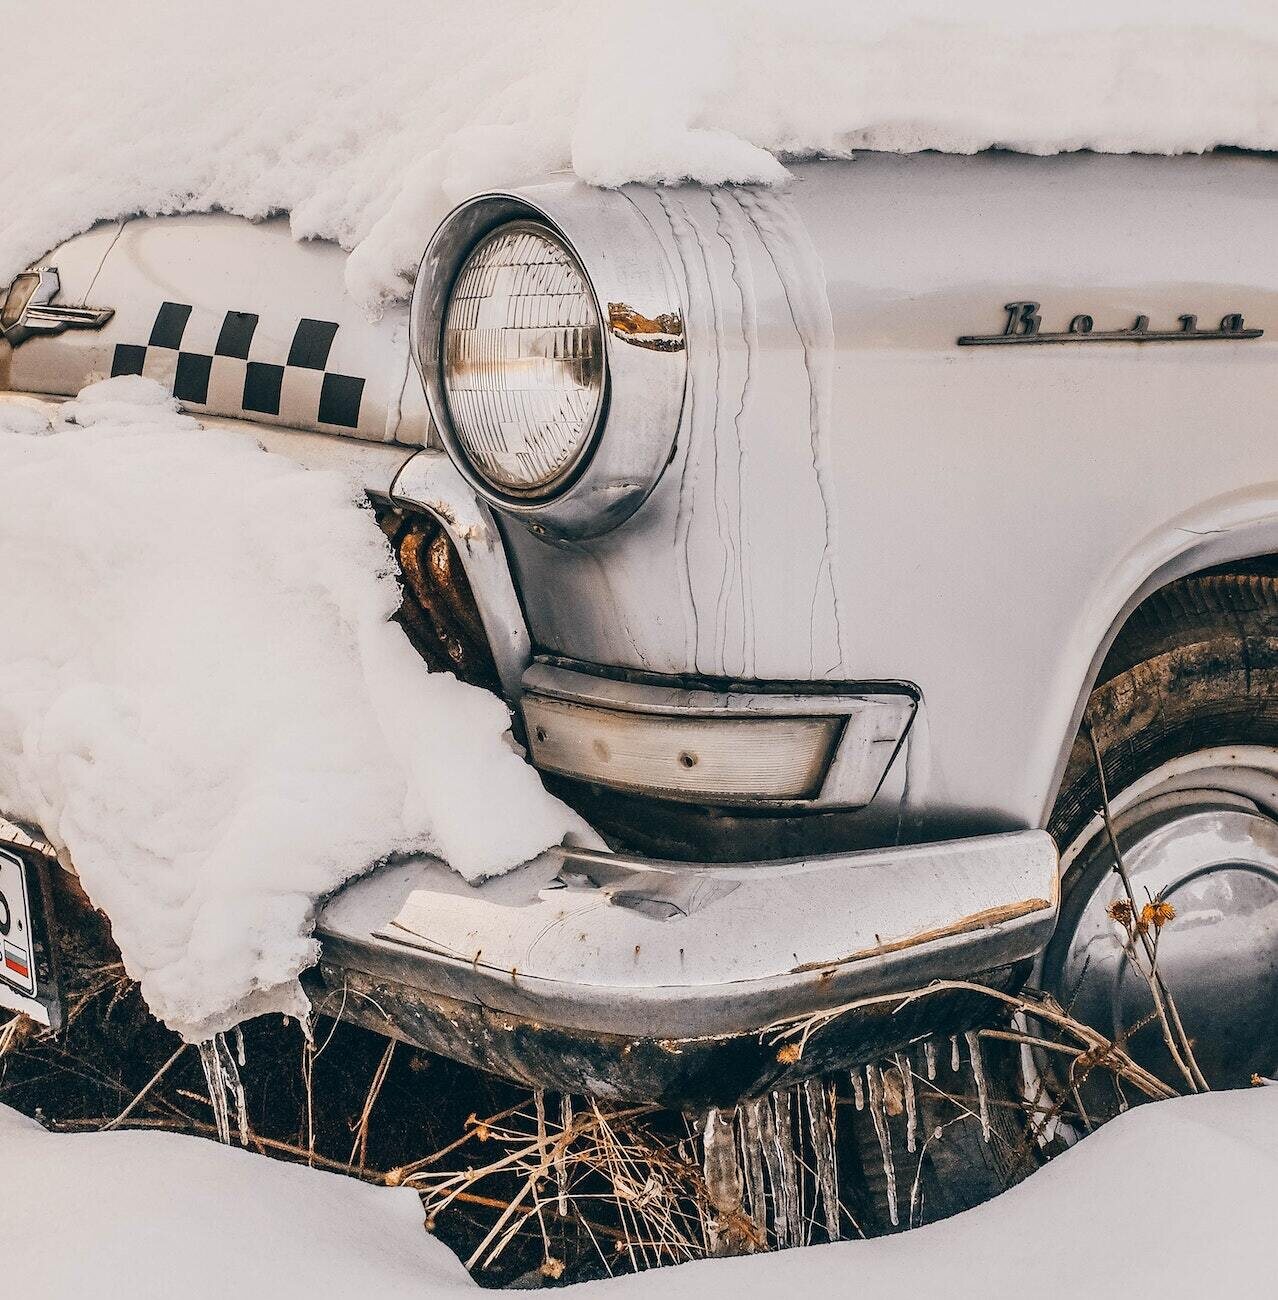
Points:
[682,1073]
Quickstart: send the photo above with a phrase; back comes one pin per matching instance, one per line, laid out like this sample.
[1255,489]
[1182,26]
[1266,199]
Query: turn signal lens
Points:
[523,361]
[696,758]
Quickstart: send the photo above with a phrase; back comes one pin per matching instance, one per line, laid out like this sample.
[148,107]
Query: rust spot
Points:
[438,611]
[662,333]
[991,916]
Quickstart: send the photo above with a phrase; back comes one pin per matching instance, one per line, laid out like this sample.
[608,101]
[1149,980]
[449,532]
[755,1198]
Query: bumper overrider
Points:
[643,980]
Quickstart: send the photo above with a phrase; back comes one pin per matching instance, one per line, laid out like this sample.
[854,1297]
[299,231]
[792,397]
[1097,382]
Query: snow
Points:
[203,703]
[367,122]
[1172,1200]
[159,1216]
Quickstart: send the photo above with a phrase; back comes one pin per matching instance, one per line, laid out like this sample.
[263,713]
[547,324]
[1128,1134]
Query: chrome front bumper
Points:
[626,977]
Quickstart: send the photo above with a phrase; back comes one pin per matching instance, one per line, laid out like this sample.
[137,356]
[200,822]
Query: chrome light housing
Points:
[793,747]
[542,319]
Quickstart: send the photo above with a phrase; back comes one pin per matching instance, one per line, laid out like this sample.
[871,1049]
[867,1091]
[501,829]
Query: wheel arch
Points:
[1237,533]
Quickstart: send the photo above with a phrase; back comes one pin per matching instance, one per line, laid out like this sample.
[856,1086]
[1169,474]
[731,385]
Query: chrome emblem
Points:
[1023,322]
[27,309]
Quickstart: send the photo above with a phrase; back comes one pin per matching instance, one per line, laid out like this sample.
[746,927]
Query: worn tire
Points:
[1195,666]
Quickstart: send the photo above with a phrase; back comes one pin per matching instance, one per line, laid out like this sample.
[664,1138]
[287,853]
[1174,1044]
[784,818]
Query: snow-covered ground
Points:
[365,122]
[158,1216]
[205,703]
[1171,1200]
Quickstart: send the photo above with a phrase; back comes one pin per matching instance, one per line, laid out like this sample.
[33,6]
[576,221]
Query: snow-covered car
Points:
[821,541]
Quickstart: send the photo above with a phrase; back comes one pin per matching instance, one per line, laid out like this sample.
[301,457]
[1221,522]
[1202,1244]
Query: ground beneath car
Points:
[1175,1199]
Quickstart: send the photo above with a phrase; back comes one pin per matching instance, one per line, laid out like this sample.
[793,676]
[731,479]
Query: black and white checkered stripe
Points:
[302,390]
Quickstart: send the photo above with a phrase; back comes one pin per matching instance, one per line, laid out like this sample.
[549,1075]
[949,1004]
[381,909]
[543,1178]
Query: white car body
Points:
[853,498]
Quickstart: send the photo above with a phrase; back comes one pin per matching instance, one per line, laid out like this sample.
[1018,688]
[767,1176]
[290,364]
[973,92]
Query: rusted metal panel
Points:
[688,1073]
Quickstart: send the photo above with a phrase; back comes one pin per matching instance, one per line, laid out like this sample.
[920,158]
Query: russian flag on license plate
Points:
[17,961]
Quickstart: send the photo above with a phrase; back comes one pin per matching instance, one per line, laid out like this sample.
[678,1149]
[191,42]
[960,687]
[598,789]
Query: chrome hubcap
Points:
[1206,841]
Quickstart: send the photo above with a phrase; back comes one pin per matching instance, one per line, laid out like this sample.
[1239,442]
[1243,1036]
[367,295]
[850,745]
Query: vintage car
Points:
[820,540]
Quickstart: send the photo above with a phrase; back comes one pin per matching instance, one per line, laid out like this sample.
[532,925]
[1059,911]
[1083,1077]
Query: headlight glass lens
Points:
[523,362]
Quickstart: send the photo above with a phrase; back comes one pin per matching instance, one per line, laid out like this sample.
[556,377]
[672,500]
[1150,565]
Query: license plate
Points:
[26,959]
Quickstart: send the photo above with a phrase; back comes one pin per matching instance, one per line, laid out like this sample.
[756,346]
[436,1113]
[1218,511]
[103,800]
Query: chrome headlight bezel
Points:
[644,357]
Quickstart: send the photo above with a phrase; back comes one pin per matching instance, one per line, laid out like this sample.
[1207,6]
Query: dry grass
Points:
[637,1195]
[16,1032]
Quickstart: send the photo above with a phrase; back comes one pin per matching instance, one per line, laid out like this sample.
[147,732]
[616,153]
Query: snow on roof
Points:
[204,702]
[366,122]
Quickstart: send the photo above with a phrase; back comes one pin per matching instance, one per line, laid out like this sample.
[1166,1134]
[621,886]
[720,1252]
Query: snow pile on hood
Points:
[203,702]
[367,121]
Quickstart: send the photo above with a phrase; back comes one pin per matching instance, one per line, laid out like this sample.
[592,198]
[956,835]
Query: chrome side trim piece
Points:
[28,309]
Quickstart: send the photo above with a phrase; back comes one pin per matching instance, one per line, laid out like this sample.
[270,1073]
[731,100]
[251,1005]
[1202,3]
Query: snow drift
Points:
[162,1216]
[1170,1200]
[366,122]
[203,702]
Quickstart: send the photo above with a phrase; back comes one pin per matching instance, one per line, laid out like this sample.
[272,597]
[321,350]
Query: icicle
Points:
[858,1089]
[955,1059]
[978,1076]
[750,1138]
[224,1084]
[723,1182]
[241,1106]
[911,1101]
[879,1115]
[929,1056]
[791,1151]
[771,1145]
[239,1047]
[561,1152]
[539,1105]
[825,1151]
[217,1092]
[783,1169]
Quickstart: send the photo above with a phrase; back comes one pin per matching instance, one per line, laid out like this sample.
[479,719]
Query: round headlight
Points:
[523,361]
